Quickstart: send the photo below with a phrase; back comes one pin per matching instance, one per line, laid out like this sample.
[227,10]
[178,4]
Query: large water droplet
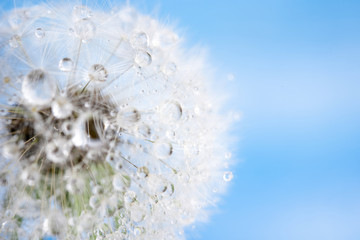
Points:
[121,182]
[39,33]
[84,29]
[163,150]
[14,41]
[228,176]
[55,224]
[61,108]
[171,111]
[140,41]
[156,184]
[98,73]
[170,68]
[142,172]
[81,12]
[66,64]
[38,88]
[142,58]
[58,151]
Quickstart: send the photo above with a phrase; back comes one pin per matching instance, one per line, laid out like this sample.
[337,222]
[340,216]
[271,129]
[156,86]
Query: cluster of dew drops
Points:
[91,166]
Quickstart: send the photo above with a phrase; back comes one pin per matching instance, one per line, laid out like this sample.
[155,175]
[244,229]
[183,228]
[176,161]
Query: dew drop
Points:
[39,33]
[61,108]
[66,64]
[14,41]
[140,40]
[156,184]
[170,69]
[81,12]
[142,58]
[38,88]
[171,111]
[163,150]
[58,151]
[121,182]
[98,73]
[228,176]
[130,196]
[94,202]
[84,29]
[142,172]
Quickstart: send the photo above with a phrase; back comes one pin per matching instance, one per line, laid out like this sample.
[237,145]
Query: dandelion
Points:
[108,130]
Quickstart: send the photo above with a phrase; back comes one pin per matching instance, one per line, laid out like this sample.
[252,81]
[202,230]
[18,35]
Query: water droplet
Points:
[142,58]
[130,115]
[171,111]
[14,41]
[98,73]
[170,69]
[85,29]
[142,172]
[156,184]
[58,151]
[130,196]
[121,182]
[39,33]
[228,176]
[66,64]
[81,12]
[38,88]
[140,40]
[94,202]
[67,127]
[55,224]
[138,231]
[163,150]
[61,108]
[137,212]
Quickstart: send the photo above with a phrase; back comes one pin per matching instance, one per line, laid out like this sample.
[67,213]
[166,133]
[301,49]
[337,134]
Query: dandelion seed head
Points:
[108,130]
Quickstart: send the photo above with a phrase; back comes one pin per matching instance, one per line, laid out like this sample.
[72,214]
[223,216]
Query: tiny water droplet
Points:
[38,87]
[142,172]
[84,29]
[228,176]
[39,33]
[143,58]
[170,69]
[163,150]
[66,64]
[171,111]
[98,73]
[14,41]
[140,40]
[81,12]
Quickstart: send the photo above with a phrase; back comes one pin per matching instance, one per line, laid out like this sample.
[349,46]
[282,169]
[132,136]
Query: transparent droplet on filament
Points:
[14,41]
[66,64]
[142,172]
[38,88]
[163,150]
[81,12]
[84,29]
[61,108]
[143,58]
[171,111]
[39,33]
[98,73]
[140,41]
[228,176]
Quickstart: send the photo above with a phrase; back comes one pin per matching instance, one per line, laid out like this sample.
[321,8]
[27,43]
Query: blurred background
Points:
[294,70]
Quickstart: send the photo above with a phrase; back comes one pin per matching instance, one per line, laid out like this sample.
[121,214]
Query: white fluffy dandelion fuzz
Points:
[108,130]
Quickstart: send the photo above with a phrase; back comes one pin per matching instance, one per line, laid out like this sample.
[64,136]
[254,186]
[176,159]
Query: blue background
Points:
[297,83]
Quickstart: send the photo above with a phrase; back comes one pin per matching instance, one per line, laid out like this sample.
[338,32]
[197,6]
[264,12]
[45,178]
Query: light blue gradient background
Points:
[297,81]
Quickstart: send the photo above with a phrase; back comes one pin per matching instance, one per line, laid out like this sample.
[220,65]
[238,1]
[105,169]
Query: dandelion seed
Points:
[102,137]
